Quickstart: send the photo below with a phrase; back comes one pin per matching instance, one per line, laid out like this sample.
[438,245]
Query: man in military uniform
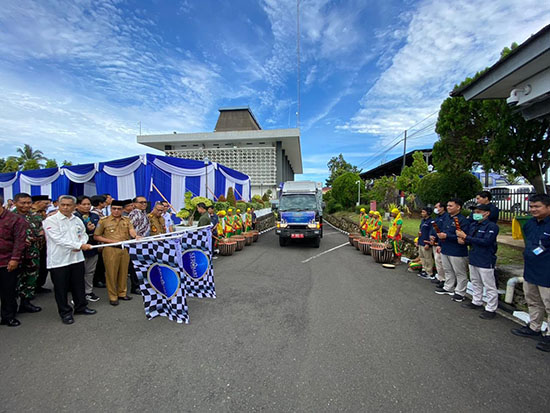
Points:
[158,226]
[111,229]
[39,205]
[31,257]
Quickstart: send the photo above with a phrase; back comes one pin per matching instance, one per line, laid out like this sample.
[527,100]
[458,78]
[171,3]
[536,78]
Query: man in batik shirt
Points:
[31,257]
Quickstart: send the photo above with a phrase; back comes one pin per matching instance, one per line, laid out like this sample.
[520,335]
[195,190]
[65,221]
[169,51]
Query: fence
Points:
[510,202]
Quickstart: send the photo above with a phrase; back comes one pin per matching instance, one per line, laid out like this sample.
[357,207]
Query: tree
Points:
[411,175]
[2,164]
[439,187]
[383,191]
[67,163]
[231,197]
[27,153]
[338,166]
[344,189]
[12,165]
[30,164]
[50,163]
[490,132]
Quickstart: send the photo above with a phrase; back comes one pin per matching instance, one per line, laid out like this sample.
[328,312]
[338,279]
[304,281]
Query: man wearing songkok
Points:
[127,207]
[13,233]
[66,238]
[112,229]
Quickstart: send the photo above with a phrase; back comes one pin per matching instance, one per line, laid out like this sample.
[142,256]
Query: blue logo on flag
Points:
[164,279]
[195,263]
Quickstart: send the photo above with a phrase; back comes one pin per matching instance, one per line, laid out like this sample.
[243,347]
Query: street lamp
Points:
[358,183]
[206,176]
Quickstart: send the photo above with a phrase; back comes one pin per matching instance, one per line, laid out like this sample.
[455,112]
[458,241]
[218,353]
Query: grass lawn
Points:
[506,255]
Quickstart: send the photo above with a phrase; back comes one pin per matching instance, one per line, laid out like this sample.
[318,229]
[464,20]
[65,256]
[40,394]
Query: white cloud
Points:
[445,42]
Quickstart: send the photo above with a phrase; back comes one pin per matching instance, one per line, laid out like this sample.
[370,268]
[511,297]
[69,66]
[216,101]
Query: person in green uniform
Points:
[204,220]
[35,241]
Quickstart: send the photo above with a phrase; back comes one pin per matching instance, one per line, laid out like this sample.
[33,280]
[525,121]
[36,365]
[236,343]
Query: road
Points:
[287,333]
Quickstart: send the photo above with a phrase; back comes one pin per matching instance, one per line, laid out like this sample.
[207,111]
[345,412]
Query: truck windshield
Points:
[298,202]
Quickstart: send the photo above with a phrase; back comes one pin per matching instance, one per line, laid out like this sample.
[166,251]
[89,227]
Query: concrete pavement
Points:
[334,333]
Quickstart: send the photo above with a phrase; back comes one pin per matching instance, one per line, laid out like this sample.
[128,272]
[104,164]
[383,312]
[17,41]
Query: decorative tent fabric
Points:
[131,177]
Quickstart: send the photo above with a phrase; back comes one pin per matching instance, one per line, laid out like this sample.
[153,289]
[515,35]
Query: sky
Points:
[79,77]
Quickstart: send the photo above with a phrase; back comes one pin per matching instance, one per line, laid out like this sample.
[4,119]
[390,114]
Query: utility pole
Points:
[298,61]
[404,151]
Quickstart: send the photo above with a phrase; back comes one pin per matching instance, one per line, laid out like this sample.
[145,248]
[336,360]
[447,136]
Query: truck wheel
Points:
[317,242]
[283,242]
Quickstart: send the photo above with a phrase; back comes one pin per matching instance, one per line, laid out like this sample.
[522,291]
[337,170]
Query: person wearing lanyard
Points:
[536,270]
[424,246]
[111,229]
[482,240]
[66,238]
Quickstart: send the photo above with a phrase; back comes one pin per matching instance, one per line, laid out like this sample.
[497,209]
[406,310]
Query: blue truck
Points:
[300,212]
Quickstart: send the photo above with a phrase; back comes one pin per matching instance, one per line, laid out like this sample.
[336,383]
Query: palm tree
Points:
[27,153]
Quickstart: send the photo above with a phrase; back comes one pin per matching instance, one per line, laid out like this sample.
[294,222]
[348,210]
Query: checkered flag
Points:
[157,268]
[199,285]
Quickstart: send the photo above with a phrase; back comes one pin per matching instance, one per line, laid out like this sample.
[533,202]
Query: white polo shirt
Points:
[64,236]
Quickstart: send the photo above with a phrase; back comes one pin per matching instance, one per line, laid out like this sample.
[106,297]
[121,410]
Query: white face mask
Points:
[436,211]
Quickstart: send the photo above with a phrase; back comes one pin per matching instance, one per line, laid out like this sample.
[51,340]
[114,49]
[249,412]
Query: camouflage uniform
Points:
[30,265]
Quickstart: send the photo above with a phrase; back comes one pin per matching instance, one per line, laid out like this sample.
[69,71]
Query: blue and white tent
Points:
[131,177]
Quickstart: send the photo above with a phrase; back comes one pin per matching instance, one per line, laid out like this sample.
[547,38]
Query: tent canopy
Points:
[130,177]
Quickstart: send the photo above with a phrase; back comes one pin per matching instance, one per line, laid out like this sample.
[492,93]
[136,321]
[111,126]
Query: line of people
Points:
[61,243]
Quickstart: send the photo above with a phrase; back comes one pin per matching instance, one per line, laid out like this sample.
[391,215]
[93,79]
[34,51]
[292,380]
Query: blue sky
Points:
[77,77]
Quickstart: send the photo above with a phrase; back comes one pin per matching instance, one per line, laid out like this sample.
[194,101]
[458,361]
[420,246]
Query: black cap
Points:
[36,198]
[118,203]
[126,202]
[482,207]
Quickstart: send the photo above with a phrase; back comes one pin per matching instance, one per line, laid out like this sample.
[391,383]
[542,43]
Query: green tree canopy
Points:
[27,153]
[12,165]
[231,197]
[30,164]
[490,132]
[338,166]
[411,175]
[439,187]
[344,189]
[50,163]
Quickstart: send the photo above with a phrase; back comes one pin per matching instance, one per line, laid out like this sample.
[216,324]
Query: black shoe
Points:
[442,291]
[68,320]
[92,297]
[113,302]
[472,306]
[441,284]
[100,284]
[457,298]
[526,331]
[487,315]
[27,307]
[135,291]
[126,298]
[422,274]
[435,281]
[42,290]
[12,322]
[86,311]
[544,345]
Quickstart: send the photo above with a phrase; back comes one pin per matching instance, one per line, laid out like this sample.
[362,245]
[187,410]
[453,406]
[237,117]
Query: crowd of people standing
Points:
[62,239]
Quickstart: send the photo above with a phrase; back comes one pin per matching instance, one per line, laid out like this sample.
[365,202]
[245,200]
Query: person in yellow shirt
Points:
[238,223]
[229,229]
[248,220]
[376,233]
[394,234]
[362,222]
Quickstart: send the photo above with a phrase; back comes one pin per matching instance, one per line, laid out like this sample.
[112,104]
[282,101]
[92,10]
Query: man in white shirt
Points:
[66,238]
[168,221]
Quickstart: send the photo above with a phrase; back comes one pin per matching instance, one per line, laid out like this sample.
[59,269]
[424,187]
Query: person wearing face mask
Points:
[484,198]
[441,213]
[482,239]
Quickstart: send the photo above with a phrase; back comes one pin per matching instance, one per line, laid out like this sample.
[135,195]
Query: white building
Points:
[268,157]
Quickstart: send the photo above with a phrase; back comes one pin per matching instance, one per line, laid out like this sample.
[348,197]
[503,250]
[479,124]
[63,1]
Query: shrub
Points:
[437,187]
[344,189]
[241,205]
[221,198]
[231,197]
[358,208]
[219,206]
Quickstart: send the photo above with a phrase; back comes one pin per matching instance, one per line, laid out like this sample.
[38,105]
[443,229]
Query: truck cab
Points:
[300,212]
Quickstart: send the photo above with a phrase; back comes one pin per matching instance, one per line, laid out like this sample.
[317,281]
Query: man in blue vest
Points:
[536,271]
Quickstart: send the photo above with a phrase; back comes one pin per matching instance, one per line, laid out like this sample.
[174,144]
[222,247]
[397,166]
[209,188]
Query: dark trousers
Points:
[134,282]
[65,279]
[99,275]
[8,293]
[43,271]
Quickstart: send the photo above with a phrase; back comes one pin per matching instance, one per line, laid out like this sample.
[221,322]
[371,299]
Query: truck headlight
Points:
[313,225]
[281,224]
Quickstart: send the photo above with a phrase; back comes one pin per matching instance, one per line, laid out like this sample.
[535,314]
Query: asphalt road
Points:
[335,333]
